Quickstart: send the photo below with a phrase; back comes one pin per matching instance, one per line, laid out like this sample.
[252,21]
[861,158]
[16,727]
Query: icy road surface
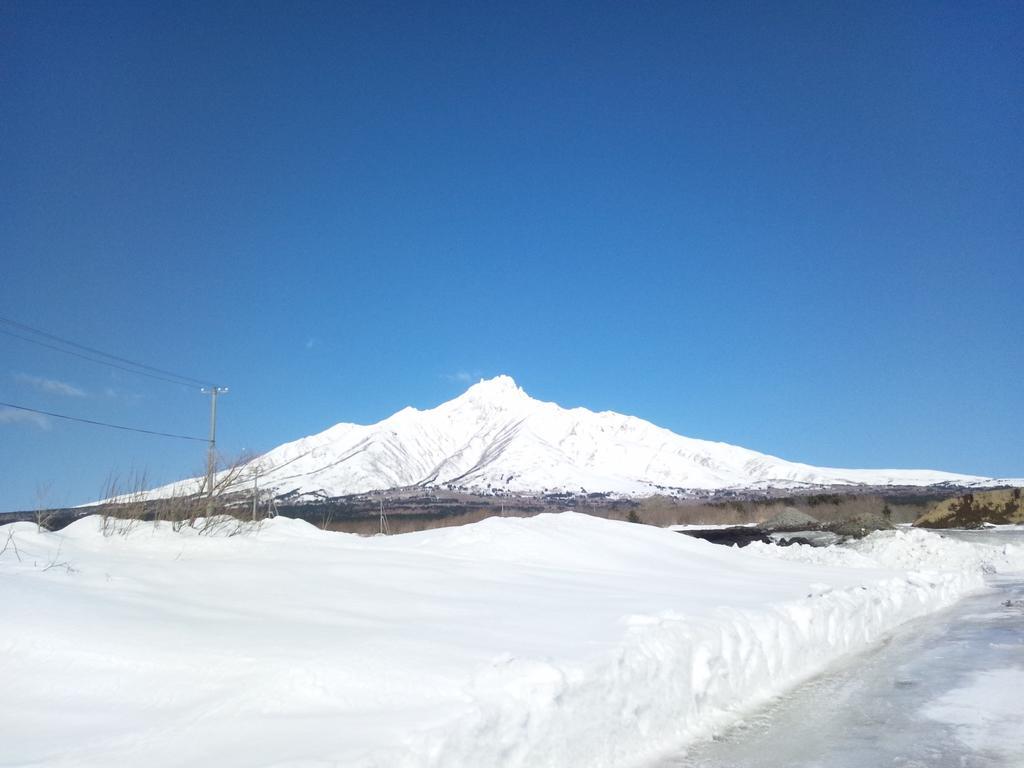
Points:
[945,690]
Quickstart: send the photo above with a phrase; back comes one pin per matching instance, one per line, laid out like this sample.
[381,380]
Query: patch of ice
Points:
[986,713]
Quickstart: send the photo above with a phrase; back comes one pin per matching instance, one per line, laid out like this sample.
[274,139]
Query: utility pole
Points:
[255,492]
[211,456]
[384,528]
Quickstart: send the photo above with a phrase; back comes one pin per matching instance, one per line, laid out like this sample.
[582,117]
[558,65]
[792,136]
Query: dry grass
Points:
[972,509]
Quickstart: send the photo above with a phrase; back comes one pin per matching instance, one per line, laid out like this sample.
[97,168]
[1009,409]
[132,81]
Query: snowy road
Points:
[944,691]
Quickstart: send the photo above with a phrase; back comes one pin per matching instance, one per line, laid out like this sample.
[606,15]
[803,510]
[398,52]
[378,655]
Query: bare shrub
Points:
[56,562]
[11,544]
[125,503]
[230,476]
[43,514]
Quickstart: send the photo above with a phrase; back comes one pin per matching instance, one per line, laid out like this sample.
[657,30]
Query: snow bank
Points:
[559,640]
[910,549]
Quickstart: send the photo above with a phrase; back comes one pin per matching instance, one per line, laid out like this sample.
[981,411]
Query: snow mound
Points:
[919,550]
[550,641]
[909,550]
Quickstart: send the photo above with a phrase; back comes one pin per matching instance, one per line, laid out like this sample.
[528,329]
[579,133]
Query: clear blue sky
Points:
[798,227]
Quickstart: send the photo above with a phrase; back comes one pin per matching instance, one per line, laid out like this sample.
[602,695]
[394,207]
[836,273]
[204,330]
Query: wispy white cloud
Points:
[464,377]
[120,394]
[14,416]
[310,342]
[52,386]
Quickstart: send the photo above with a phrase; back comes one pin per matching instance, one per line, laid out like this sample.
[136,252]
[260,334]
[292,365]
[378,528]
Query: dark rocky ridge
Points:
[419,509]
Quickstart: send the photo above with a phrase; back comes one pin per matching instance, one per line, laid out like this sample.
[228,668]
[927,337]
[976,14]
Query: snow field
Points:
[560,640]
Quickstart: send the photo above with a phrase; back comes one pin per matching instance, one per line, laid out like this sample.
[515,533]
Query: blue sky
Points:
[792,226]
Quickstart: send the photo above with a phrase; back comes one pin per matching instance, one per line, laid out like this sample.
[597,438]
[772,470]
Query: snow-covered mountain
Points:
[495,437]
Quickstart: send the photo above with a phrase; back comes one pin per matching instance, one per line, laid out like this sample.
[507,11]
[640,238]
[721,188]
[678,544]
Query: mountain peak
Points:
[495,438]
[500,387]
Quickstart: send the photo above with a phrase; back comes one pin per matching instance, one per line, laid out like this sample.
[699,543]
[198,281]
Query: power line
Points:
[154,372]
[94,360]
[95,351]
[104,424]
